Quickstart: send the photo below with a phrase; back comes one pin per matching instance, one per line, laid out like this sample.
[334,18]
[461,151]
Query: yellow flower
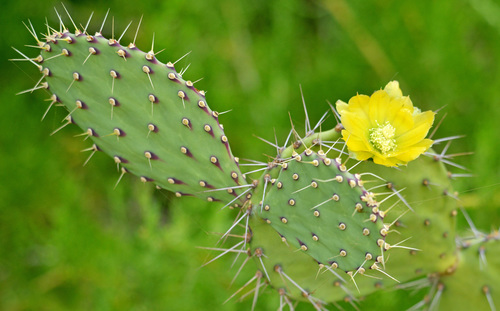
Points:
[385,127]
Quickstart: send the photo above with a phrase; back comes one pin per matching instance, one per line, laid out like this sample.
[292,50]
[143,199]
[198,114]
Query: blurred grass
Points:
[69,241]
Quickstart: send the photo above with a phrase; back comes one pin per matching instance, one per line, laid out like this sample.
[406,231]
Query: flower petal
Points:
[360,104]
[341,106]
[355,123]
[415,151]
[392,88]
[361,155]
[357,144]
[423,123]
[378,107]
[386,161]
[402,119]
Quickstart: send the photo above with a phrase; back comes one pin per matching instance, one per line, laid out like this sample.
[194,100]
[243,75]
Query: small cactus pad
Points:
[142,113]
[320,208]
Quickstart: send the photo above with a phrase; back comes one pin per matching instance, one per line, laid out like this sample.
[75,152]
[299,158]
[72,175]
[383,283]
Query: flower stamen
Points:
[382,137]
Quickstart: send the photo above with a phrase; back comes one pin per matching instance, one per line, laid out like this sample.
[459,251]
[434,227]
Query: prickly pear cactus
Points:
[317,227]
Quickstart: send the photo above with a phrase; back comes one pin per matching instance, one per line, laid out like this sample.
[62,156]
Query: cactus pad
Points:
[315,232]
[142,113]
[318,207]
[479,268]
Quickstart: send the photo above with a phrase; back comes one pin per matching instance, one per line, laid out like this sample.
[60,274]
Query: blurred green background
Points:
[68,241]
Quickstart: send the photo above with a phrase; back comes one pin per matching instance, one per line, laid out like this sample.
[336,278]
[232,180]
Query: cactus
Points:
[318,229]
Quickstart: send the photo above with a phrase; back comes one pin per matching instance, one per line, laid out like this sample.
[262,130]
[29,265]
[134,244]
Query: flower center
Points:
[382,137]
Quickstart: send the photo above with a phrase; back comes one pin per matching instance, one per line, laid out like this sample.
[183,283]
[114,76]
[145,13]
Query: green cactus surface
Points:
[316,206]
[474,283]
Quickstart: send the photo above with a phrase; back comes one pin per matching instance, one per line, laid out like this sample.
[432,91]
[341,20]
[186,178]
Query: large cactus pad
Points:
[141,112]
